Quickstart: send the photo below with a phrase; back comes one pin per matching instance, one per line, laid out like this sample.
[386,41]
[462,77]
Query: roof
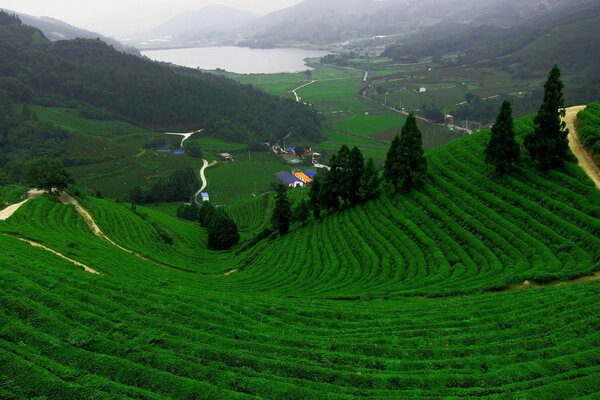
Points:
[291,148]
[204,194]
[287,178]
[303,177]
[311,174]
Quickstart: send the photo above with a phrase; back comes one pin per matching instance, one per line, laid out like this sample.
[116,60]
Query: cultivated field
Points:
[418,296]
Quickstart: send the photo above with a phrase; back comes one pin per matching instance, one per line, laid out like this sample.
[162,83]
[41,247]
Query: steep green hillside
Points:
[588,128]
[406,297]
[92,76]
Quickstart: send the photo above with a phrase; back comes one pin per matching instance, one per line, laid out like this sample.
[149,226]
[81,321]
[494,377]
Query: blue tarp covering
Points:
[310,173]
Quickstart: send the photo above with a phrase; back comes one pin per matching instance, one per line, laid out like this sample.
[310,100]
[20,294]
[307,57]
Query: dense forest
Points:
[90,74]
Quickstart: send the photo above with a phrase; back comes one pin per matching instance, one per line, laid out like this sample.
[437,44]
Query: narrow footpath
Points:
[586,161]
[10,210]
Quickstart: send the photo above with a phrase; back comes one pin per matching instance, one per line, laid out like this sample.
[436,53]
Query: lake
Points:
[241,60]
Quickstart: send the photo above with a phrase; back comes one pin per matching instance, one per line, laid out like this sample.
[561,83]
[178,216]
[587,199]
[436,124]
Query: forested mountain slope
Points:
[119,86]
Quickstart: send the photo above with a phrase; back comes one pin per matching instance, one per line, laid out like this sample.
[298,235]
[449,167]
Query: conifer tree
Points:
[503,151]
[548,145]
[354,173]
[369,182]
[390,169]
[282,214]
[406,161]
[222,231]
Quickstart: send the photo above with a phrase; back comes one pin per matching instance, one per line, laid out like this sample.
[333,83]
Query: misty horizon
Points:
[114,18]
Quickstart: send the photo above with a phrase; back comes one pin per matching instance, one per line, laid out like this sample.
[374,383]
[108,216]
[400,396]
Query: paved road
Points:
[10,210]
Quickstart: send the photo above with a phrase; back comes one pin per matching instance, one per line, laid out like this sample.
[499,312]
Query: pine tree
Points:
[390,169]
[503,151]
[354,173]
[369,182]
[412,156]
[314,196]
[282,214]
[548,145]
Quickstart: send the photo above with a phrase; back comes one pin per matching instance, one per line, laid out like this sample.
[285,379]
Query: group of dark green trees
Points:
[349,181]
[180,186]
[548,144]
[222,230]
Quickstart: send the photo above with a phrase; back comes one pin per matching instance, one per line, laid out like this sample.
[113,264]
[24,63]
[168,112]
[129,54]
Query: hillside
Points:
[416,296]
[55,29]
[91,75]
[329,21]
[195,27]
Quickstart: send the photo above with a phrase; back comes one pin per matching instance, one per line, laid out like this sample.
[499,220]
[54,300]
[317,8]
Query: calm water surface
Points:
[242,60]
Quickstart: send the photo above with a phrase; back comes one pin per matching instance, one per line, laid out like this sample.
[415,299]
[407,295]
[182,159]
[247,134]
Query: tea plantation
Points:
[417,296]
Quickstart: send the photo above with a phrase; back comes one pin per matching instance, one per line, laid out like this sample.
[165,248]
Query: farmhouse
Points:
[289,179]
[205,196]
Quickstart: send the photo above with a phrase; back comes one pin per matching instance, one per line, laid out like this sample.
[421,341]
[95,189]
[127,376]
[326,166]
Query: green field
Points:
[405,297]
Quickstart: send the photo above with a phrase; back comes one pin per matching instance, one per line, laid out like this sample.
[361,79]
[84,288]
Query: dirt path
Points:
[205,165]
[583,279]
[295,91]
[585,159]
[56,253]
[10,210]
[67,199]
[186,136]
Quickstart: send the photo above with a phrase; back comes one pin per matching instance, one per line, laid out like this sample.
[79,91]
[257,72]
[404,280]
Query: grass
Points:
[10,194]
[401,298]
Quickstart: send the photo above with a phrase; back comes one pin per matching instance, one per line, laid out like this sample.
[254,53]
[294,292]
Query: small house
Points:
[205,196]
[289,179]
[422,90]
[227,157]
[291,149]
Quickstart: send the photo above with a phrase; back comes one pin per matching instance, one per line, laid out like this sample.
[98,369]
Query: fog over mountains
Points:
[320,22]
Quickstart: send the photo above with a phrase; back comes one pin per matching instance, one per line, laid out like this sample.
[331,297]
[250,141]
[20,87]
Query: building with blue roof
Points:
[289,179]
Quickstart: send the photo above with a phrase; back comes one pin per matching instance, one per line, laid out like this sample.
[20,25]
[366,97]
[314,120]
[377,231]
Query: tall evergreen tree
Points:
[548,145]
[282,214]
[369,182]
[390,169]
[503,151]
[302,212]
[314,196]
[354,173]
[406,161]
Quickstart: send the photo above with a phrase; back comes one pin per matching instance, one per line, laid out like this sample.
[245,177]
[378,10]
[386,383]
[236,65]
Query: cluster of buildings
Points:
[296,178]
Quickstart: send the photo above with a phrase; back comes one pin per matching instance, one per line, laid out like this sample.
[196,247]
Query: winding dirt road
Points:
[585,159]
[10,210]
[295,91]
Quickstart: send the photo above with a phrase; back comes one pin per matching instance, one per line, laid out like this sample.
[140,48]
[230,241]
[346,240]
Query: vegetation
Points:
[282,213]
[348,182]
[48,175]
[503,151]
[222,230]
[180,186]
[548,145]
[588,128]
[154,95]
[406,163]
[377,289]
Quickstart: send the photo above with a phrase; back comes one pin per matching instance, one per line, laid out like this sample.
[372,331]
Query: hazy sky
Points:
[125,17]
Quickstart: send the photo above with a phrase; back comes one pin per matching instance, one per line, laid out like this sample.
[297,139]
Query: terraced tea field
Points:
[408,297]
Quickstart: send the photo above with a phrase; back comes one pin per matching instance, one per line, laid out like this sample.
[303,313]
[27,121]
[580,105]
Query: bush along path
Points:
[585,159]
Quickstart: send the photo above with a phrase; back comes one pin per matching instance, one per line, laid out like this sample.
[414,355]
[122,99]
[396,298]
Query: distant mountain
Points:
[330,21]
[55,29]
[209,23]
